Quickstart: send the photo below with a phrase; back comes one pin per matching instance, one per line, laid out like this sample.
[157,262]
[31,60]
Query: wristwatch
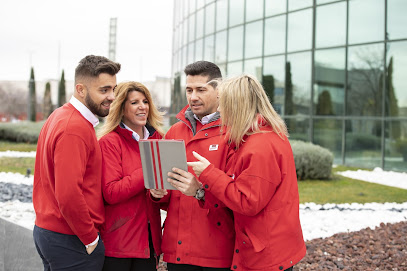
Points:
[200,194]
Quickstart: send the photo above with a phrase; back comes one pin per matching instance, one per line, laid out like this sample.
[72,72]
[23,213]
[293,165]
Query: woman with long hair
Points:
[260,185]
[132,229]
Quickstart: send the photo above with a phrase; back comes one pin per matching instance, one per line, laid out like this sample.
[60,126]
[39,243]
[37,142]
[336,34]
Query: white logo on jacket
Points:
[213,147]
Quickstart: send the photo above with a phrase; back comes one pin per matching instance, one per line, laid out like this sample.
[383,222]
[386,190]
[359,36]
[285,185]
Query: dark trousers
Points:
[188,267]
[66,252]
[133,264]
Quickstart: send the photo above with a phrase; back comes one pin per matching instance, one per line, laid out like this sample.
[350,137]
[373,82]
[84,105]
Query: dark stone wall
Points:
[17,249]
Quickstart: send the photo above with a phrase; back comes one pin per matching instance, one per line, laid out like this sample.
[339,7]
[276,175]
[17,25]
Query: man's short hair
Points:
[203,68]
[92,66]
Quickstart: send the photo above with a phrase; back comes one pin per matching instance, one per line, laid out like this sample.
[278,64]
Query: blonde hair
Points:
[154,119]
[242,99]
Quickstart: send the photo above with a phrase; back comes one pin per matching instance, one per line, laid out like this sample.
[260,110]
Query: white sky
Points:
[31,31]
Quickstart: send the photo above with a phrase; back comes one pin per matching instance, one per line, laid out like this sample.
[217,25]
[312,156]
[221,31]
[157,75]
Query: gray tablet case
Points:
[158,157]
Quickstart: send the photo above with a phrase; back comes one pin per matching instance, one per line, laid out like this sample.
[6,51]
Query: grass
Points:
[337,190]
[341,189]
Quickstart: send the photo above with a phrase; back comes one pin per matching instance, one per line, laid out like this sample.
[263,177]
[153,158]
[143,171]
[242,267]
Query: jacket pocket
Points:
[251,248]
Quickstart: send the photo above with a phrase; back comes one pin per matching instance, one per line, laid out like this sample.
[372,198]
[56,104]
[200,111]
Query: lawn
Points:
[339,189]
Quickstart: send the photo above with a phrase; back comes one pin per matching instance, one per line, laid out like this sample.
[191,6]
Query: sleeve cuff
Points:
[94,242]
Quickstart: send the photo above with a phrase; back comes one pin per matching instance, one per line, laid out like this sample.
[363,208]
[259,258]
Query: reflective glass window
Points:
[200,24]
[253,67]
[185,8]
[191,28]
[297,4]
[198,49]
[254,10]
[300,30]
[235,46]
[210,19]
[185,32]
[365,80]
[298,128]
[328,134]
[192,6]
[275,7]
[274,81]
[254,39]
[329,82]
[396,19]
[235,68]
[209,48]
[395,145]
[221,49]
[236,12]
[396,80]
[363,142]
[274,35]
[298,84]
[222,68]
[324,1]
[200,3]
[366,21]
[184,57]
[331,25]
[191,52]
[221,14]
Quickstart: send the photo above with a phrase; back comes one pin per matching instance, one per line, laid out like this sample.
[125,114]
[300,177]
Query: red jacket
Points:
[261,189]
[128,210]
[67,194]
[193,235]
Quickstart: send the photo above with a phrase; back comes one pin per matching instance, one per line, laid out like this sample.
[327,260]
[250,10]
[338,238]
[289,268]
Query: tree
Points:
[47,104]
[324,105]
[31,112]
[61,91]
[392,108]
[268,83]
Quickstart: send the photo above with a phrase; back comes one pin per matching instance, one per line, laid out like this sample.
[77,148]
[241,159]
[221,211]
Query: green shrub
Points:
[26,132]
[360,141]
[311,161]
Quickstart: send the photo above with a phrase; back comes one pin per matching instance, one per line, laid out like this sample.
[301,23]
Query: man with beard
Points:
[67,194]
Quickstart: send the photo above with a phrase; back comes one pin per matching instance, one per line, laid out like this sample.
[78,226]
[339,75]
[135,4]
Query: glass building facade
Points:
[336,71]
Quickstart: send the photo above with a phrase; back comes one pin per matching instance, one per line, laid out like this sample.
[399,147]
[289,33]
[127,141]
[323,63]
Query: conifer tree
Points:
[61,91]
[31,112]
[47,104]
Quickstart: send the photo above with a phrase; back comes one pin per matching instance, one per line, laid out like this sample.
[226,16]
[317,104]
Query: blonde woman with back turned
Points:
[260,186]
[132,229]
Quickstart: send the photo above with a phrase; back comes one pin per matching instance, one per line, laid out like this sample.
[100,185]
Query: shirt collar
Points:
[85,112]
[135,135]
[205,119]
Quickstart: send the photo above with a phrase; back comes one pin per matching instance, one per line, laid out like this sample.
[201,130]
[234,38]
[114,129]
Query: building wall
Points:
[335,70]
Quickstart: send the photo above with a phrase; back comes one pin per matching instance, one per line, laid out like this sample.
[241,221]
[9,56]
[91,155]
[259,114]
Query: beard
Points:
[95,108]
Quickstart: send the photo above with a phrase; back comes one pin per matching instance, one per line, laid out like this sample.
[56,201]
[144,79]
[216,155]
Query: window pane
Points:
[297,4]
[254,39]
[300,30]
[191,52]
[396,86]
[210,19]
[221,47]
[275,7]
[396,19]
[191,28]
[329,83]
[254,10]
[199,24]
[331,25]
[200,3]
[235,48]
[184,32]
[222,68]
[298,129]
[221,14]
[328,134]
[185,8]
[366,21]
[235,68]
[273,81]
[236,12]
[274,40]
[363,143]
[298,83]
[253,67]
[324,1]
[396,145]
[184,57]
[365,80]
[192,6]
[209,48]
[198,49]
